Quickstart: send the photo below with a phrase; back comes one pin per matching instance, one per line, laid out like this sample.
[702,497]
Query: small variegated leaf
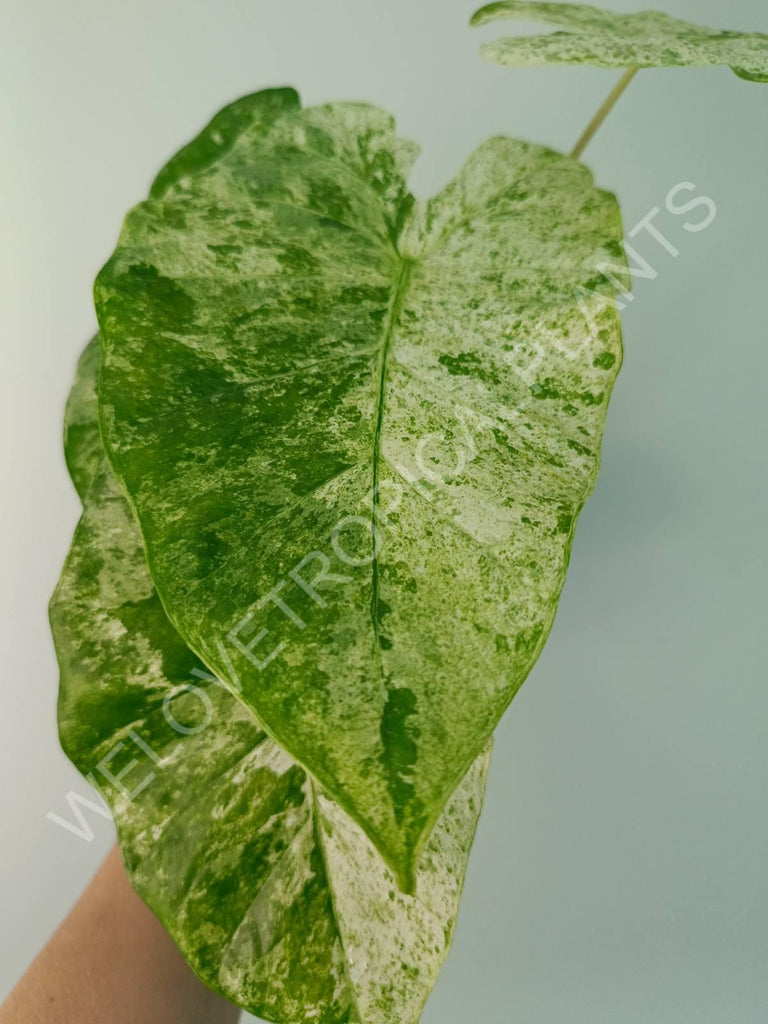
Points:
[605,39]
[357,431]
[274,896]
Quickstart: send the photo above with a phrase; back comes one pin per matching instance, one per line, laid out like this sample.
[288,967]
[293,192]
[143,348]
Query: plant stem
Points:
[603,112]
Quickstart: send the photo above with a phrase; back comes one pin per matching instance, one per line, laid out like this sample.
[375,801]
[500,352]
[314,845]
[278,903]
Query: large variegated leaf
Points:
[274,896]
[606,39]
[357,431]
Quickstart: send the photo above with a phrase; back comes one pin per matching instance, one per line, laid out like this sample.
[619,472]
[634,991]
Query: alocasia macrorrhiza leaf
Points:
[357,430]
[606,39]
[274,896]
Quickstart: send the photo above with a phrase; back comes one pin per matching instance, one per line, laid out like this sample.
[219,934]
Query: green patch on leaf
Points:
[82,443]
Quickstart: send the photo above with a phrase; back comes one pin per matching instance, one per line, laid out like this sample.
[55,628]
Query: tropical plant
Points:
[331,444]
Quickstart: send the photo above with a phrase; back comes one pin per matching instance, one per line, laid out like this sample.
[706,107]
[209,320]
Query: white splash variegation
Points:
[606,39]
[292,349]
[305,371]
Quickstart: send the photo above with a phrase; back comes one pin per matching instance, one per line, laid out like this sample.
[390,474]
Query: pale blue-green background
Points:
[620,868]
